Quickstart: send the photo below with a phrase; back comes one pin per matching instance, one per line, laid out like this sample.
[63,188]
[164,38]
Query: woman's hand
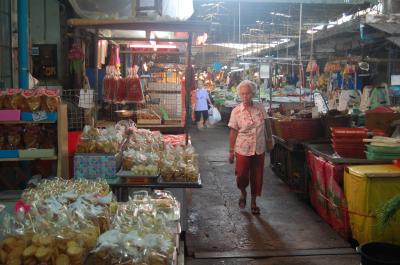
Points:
[231,157]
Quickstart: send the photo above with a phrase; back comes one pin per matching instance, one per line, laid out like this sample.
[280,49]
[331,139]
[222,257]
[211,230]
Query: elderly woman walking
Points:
[247,142]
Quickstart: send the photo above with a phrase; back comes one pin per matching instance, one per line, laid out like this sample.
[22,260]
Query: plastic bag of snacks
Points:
[37,237]
[93,140]
[48,136]
[14,100]
[31,136]
[13,137]
[32,99]
[139,234]
[50,100]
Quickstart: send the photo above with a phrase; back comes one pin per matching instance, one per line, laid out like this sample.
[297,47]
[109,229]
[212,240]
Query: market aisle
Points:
[218,227]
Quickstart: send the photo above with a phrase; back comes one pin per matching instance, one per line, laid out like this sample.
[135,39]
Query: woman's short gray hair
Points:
[248,83]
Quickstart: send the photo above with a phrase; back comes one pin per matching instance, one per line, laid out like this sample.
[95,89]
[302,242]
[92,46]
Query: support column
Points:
[23,69]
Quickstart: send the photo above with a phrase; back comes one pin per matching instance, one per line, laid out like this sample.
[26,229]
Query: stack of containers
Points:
[348,142]
[383,152]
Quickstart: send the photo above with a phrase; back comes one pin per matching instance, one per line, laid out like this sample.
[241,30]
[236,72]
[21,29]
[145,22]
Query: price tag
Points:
[39,116]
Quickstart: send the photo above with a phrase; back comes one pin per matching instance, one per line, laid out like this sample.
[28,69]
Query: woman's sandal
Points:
[242,202]
[255,210]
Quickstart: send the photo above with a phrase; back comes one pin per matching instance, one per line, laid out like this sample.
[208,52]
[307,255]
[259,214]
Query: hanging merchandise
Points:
[86,95]
[354,102]
[365,98]
[349,99]
[133,86]
[333,100]
[344,98]
[76,56]
[120,92]
[332,67]
[379,96]
[107,85]
[110,83]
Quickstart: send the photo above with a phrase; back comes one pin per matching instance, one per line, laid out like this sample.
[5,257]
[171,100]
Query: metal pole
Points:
[239,25]
[299,51]
[270,89]
[96,71]
[23,68]
[188,86]
[287,43]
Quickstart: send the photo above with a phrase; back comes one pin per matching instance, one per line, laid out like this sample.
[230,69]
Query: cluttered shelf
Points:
[28,158]
[26,122]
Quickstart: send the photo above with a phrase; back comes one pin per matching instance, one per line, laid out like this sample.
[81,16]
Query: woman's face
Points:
[245,94]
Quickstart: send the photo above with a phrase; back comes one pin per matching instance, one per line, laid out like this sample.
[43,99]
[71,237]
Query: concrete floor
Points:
[220,233]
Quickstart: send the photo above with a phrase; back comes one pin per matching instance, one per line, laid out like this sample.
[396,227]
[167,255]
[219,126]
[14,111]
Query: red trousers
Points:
[250,169]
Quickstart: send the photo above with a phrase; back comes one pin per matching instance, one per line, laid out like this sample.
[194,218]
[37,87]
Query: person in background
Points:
[201,105]
[247,143]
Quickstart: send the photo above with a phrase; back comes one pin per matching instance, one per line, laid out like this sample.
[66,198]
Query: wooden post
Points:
[62,141]
[188,85]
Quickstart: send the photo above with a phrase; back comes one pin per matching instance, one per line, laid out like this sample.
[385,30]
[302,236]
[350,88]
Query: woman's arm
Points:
[232,140]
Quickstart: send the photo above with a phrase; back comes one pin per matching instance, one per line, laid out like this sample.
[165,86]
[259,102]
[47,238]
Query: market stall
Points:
[133,159]
[80,222]
[33,127]
[161,53]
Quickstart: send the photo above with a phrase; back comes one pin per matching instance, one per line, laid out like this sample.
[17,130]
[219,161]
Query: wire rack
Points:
[165,98]
[81,105]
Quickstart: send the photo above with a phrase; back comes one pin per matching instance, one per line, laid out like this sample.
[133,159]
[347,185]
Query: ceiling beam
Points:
[334,2]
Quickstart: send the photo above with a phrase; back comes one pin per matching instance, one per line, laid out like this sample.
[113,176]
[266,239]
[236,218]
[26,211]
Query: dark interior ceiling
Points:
[257,22]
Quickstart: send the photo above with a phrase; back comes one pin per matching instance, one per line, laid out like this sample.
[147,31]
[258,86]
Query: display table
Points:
[288,160]
[326,189]
[122,191]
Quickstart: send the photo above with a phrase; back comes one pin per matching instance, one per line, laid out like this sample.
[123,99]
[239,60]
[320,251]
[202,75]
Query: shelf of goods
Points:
[326,185]
[130,159]
[89,226]
[31,132]
[172,97]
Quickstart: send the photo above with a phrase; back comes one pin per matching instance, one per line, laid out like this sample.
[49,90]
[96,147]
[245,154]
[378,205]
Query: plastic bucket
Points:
[73,138]
[376,253]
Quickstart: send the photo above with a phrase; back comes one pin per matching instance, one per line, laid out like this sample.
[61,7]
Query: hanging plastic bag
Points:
[86,95]
[215,115]
[133,86]
[120,93]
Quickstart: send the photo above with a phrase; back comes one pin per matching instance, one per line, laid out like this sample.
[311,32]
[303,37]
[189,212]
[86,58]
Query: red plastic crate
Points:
[349,132]
[350,141]
[349,153]
[299,129]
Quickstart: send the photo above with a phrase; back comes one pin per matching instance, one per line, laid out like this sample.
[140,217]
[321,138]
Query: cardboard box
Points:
[10,115]
[94,166]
